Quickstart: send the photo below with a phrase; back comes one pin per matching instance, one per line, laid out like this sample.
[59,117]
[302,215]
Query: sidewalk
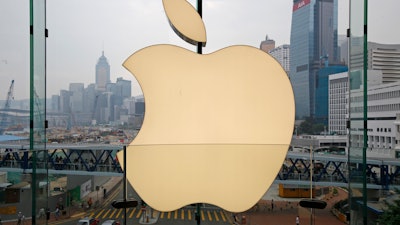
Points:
[74,212]
[286,210]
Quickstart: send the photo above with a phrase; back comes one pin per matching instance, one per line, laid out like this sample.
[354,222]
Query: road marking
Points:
[112,214]
[209,216]
[119,213]
[105,214]
[139,213]
[222,215]
[216,215]
[133,211]
[122,212]
[101,212]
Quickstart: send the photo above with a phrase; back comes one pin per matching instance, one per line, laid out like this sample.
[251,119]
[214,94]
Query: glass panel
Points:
[357,113]
[106,32]
[40,182]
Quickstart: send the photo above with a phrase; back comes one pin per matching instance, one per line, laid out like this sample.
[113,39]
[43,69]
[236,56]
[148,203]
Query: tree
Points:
[391,215]
[309,126]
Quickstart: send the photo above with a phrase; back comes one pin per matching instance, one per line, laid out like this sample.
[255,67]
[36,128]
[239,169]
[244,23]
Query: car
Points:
[111,222]
[88,221]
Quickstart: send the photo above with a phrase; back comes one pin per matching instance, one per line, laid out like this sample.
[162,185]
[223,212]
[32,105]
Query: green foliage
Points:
[309,126]
[391,215]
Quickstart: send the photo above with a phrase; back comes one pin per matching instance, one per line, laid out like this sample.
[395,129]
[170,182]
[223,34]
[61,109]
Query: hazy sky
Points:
[79,30]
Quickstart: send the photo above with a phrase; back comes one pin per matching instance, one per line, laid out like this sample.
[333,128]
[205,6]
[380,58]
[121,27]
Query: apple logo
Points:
[217,126]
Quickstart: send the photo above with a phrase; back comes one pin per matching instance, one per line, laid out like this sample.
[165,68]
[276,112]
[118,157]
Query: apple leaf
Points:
[185,21]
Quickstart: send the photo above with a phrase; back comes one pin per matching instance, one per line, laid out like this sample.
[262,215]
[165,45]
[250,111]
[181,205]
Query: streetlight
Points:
[97,201]
[311,181]
[312,203]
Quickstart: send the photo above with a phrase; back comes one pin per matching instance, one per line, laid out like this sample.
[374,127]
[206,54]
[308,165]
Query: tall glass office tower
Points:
[313,43]
[102,73]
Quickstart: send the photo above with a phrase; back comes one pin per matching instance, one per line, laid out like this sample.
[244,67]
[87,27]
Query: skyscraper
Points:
[124,87]
[76,97]
[102,73]
[267,45]
[282,54]
[313,45]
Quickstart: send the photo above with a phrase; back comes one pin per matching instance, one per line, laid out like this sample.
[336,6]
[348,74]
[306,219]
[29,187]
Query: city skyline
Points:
[121,28]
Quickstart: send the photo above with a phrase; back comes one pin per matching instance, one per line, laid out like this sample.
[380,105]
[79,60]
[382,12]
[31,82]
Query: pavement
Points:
[74,212]
[284,211]
[77,212]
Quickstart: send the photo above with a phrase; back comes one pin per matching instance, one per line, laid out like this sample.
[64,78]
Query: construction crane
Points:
[10,97]
[39,124]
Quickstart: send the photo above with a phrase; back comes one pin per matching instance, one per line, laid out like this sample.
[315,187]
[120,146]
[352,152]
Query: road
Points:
[285,212]
[184,216]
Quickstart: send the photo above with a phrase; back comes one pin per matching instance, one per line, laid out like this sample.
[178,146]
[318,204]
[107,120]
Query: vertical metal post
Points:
[31,144]
[200,11]
[125,189]
[365,109]
[311,183]
[199,51]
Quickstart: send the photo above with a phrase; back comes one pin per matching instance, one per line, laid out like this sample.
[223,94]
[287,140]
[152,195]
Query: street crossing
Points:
[184,214]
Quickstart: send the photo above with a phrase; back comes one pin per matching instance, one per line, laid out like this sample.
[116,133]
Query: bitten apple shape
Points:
[216,130]
[217,127]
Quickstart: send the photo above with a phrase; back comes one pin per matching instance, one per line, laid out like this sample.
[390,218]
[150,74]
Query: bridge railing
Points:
[97,163]
[306,177]
[18,164]
[297,167]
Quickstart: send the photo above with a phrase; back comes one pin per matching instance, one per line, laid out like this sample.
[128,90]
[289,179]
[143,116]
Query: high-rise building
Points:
[313,45]
[322,92]
[343,50]
[383,101]
[339,98]
[267,45]
[55,103]
[102,73]
[76,97]
[385,57]
[89,98]
[338,103]
[65,101]
[124,87]
[282,54]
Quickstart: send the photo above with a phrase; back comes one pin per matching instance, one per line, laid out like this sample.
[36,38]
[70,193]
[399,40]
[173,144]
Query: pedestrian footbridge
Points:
[101,160]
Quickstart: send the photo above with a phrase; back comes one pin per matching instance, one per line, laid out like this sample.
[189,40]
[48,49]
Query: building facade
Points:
[124,87]
[383,111]
[282,54]
[102,73]
[267,45]
[386,58]
[313,44]
[338,103]
[76,99]
[322,92]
